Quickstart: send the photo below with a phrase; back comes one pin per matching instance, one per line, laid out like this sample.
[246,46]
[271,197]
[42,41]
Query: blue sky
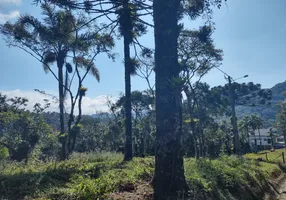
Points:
[250,32]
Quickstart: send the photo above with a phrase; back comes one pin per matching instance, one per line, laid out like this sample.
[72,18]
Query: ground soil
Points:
[144,191]
[278,189]
[139,191]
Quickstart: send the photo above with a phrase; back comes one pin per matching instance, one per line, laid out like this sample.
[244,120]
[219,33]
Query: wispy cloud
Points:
[89,105]
[11,15]
[15,2]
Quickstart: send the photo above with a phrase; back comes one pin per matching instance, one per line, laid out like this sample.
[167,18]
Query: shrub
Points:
[4,153]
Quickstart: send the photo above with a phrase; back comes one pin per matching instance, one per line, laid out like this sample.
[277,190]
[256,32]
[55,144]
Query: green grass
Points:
[229,177]
[96,175]
[274,156]
[84,176]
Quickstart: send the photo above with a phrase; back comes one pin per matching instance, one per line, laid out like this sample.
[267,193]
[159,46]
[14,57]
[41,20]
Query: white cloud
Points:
[92,105]
[89,105]
[15,2]
[11,15]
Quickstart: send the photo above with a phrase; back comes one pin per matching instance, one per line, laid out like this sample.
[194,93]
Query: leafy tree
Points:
[49,146]
[197,53]
[272,136]
[4,153]
[202,107]
[197,56]
[247,94]
[141,103]
[256,123]
[130,29]
[54,39]
[93,136]
[41,40]
[145,69]
[128,15]
[248,125]
[20,129]
[244,127]
[281,119]
[225,133]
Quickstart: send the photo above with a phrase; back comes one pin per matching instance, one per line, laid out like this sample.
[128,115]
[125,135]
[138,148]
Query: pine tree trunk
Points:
[195,140]
[203,143]
[60,64]
[194,137]
[147,139]
[201,140]
[77,131]
[248,138]
[169,180]
[142,145]
[127,107]
[192,123]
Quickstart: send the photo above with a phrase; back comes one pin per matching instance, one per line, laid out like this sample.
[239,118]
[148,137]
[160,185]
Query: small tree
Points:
[203,106]
[197,55]
[256,123]
[128,18]
[20,129]
[141,104]
[244,127]
[56,38]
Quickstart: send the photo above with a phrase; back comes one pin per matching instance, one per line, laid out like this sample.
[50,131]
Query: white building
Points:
[265,138]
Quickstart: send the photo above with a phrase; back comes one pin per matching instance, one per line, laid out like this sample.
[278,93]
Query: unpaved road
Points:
[282,197]
[278,189]
[282,191]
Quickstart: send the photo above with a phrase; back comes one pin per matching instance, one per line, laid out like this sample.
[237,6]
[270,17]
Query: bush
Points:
[4,153]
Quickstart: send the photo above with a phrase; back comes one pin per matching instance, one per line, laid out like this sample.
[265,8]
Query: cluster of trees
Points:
[24,133]
[248,125]
[69,42]
[179,115]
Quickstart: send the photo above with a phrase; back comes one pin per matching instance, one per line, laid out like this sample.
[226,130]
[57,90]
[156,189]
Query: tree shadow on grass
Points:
[31,184]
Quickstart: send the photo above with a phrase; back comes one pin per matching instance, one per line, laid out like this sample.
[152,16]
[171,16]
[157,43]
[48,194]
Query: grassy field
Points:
[106,176]
[272,156]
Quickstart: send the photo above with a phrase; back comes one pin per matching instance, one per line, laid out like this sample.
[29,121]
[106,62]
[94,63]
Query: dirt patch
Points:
[139,191]
[278,189]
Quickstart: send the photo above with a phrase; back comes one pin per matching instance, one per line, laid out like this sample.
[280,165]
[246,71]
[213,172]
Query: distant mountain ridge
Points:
[268,113]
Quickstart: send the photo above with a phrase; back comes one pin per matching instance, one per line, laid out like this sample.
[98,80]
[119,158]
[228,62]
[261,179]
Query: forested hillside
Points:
[267,112]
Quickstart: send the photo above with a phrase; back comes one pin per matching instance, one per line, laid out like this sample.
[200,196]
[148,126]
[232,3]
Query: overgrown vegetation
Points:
[98,175]
[56,155]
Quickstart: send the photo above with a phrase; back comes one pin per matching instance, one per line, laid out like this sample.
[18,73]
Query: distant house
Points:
[265,138]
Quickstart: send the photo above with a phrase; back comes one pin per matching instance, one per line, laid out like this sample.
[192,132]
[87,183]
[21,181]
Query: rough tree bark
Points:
[169,178]
[127,107]
[60,65]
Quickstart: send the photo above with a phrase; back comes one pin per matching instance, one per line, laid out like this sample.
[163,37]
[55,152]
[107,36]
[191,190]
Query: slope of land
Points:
[105,176]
